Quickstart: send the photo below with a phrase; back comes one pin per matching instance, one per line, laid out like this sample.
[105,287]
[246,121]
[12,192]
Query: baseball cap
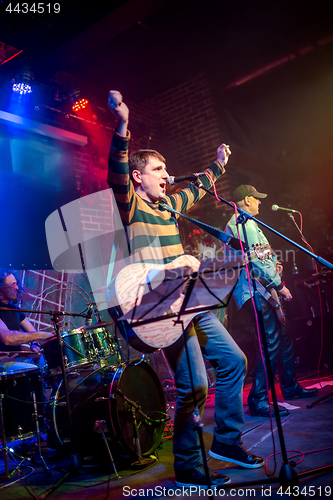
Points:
[246,190]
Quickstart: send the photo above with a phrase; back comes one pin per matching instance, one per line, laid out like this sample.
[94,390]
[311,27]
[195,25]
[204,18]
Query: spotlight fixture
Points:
[81,104]
[22,88]
[78,102]
[22,83]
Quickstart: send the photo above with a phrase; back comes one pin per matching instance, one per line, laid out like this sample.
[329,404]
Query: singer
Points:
[279,338]
[139,183]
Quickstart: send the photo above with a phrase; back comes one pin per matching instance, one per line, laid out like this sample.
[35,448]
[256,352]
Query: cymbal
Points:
[102,324]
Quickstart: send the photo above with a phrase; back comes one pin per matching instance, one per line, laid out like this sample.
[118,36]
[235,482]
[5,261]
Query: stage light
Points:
[81,104]
[78,102]
[22,83]
[22,88]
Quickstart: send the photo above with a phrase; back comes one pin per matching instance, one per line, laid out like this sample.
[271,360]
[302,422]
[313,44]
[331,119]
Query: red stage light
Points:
[81,104]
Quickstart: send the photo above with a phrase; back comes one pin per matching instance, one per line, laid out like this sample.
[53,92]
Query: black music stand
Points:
[172,287]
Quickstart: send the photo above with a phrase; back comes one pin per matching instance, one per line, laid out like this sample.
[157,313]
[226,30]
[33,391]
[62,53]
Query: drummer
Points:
[16,329]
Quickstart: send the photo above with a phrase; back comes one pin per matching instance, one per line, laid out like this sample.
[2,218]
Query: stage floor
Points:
[307,433]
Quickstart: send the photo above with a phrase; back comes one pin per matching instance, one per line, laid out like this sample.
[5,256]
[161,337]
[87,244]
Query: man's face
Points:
[152,181]
[9,291]
[253,205]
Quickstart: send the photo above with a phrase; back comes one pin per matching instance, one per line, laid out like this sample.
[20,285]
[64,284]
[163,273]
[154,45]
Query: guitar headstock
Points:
[262,252]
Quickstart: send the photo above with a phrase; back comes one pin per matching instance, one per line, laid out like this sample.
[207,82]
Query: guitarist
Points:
[139,183]
[279,339]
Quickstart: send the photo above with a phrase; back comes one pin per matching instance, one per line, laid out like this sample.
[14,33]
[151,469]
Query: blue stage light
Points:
[22,84]
[22,88]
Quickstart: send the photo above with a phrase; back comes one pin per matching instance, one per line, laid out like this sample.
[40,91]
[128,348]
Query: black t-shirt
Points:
[12,320]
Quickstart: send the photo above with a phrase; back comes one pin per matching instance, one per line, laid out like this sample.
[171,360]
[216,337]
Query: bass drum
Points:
[18,389]
[126,397]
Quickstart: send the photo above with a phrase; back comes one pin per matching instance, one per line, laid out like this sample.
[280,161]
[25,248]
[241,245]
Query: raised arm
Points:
[187,197]
[120,111]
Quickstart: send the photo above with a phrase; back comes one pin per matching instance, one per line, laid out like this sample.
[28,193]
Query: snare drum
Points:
[76,348]
[17,390]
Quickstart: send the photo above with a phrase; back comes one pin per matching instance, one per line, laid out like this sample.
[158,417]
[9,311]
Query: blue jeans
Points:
[206,336]
[281,354]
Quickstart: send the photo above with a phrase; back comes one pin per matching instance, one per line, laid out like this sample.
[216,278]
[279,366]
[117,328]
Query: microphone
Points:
[88,319]
[172,180]
[276,207]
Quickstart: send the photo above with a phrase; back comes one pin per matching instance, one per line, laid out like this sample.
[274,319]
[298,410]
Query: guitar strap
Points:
[265,294]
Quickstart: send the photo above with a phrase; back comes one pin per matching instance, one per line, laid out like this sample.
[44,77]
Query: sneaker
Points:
[235,454]
[197,477]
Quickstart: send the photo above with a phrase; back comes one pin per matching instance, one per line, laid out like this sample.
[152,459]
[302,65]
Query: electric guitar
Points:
[272,298]
[141,287]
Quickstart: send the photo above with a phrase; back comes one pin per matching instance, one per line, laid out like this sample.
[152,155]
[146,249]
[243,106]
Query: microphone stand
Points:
[287,476]
[75,462]
[74,457]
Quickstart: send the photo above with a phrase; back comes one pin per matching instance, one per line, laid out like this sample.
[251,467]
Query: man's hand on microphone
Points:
[223,153]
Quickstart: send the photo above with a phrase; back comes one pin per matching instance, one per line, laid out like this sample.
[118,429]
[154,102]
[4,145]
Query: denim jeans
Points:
[206,336]
[281,354]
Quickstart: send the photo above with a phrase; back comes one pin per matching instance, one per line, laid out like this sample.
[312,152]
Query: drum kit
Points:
[98,405]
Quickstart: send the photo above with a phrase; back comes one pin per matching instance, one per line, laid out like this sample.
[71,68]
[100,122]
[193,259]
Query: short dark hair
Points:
[4,273]
[3,285]
[139,159]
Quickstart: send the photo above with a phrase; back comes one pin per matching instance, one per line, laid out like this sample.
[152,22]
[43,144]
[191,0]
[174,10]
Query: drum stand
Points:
[36,417]
[100,427]
[7,451]
[142,462]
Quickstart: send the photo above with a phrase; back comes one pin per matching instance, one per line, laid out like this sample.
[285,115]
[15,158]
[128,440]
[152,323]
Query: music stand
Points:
[154,306]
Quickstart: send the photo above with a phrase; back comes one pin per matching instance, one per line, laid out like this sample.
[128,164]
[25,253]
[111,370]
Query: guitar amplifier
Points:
[310,314]
[312,296]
